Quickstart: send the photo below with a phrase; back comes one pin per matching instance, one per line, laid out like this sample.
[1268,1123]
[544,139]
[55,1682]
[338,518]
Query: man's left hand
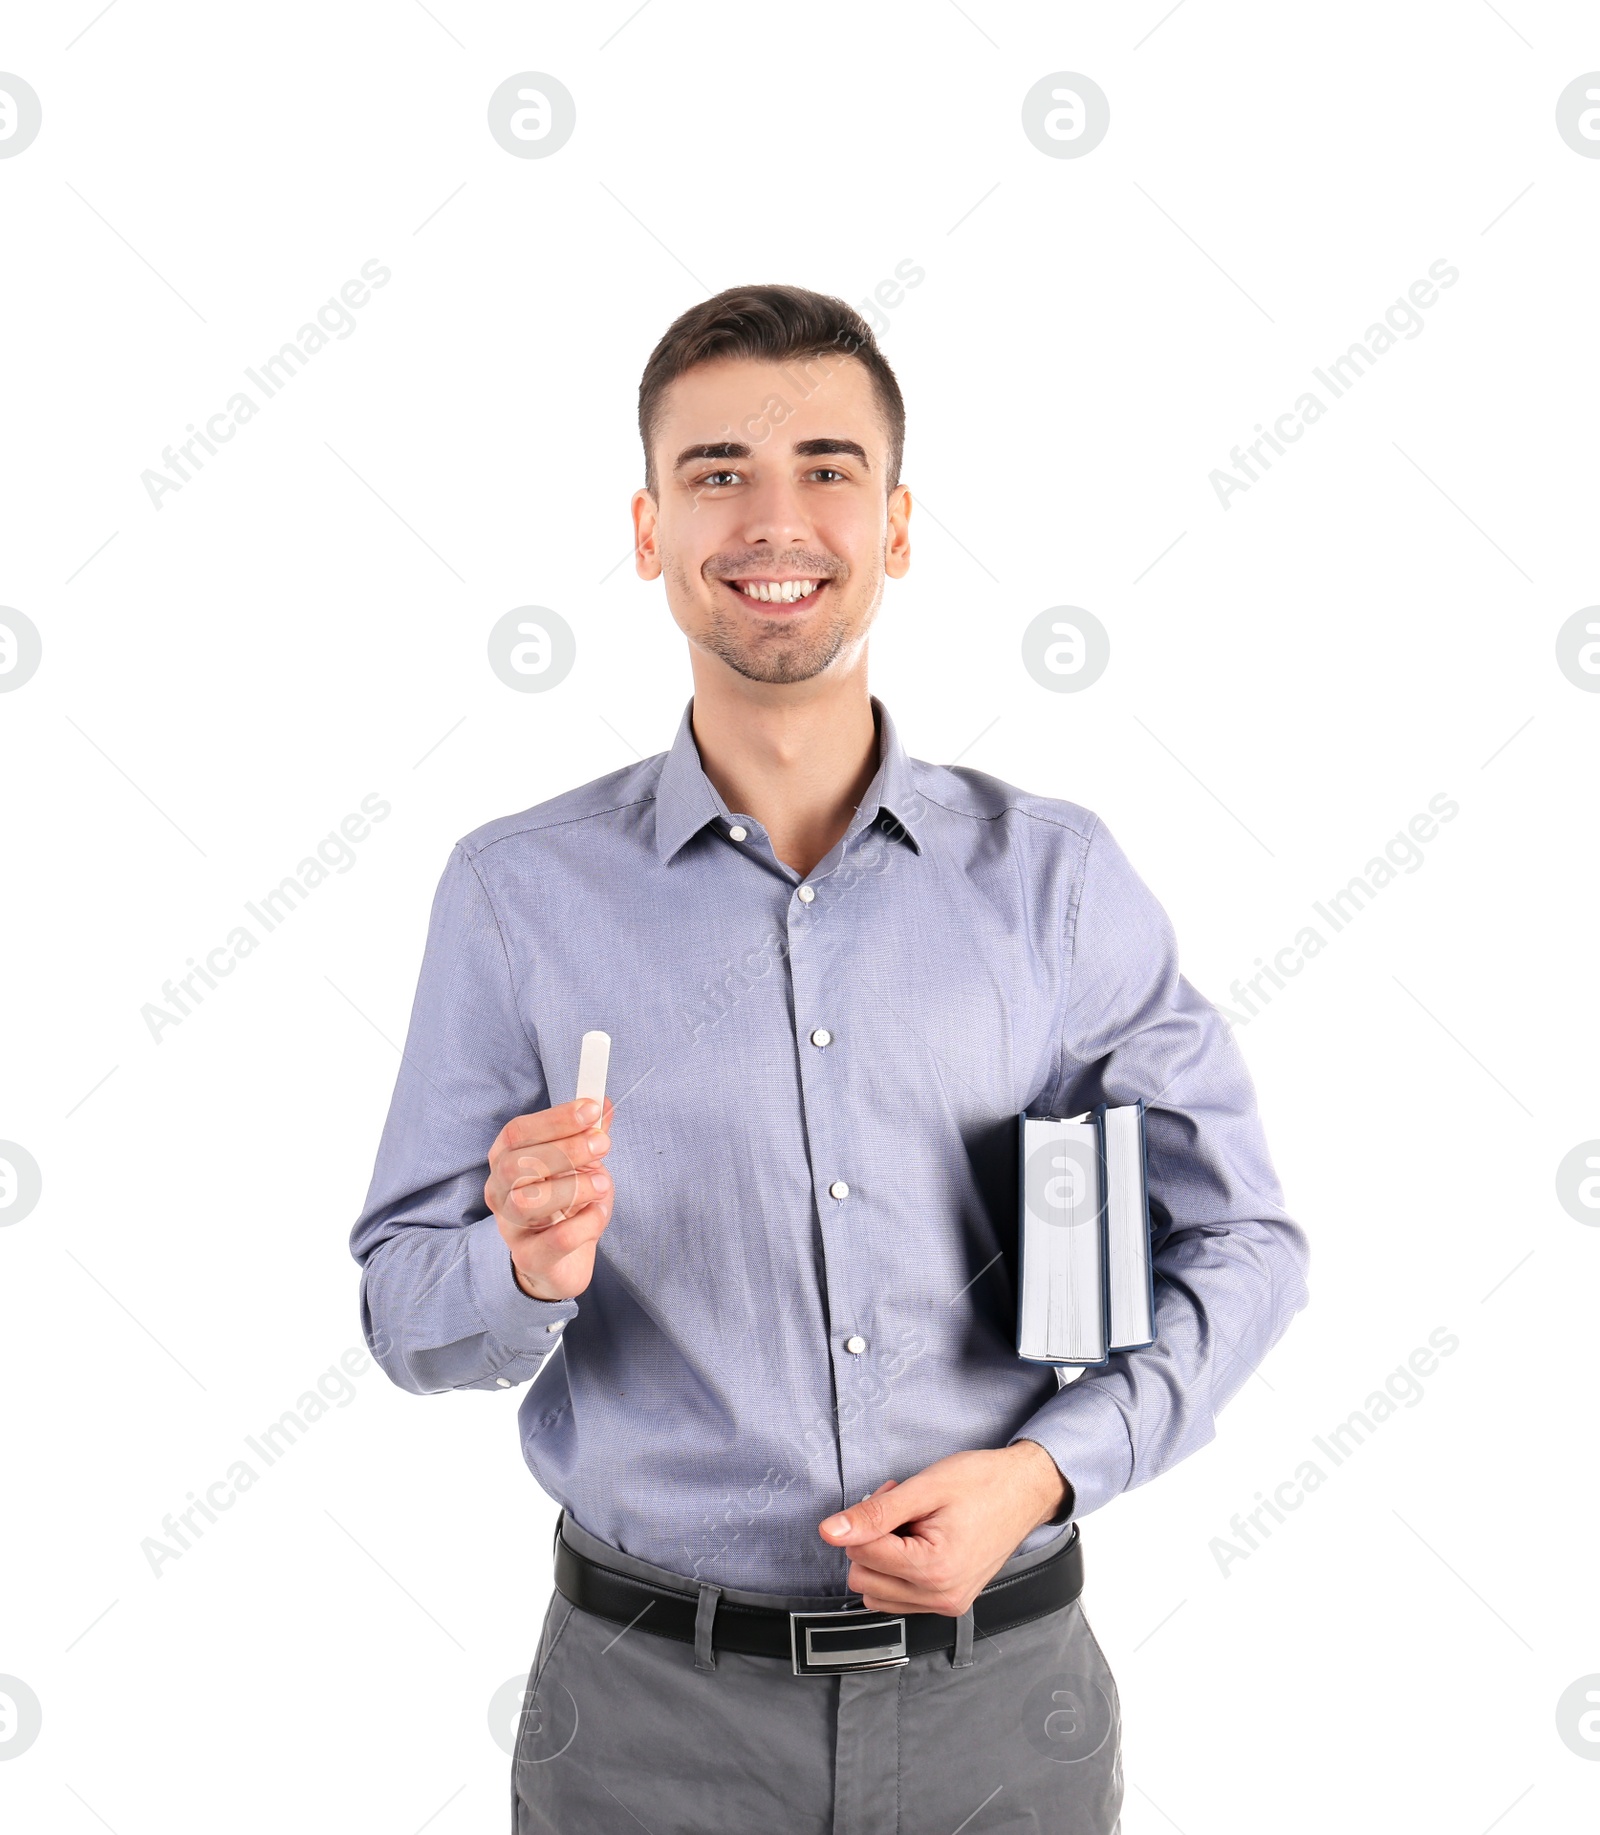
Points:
[961,1518]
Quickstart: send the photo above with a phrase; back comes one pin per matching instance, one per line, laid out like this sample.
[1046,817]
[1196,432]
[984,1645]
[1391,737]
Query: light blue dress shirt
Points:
[808,1281]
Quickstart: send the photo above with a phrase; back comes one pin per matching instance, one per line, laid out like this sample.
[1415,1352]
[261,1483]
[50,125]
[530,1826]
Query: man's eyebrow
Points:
[815,449]
[804,449]
[725,449]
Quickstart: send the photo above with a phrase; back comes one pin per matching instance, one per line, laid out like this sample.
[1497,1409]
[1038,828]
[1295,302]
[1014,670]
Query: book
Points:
[1086,1285]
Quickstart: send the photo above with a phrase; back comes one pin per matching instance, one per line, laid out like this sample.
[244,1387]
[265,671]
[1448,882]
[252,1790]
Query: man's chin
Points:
[776,663]
[768,671]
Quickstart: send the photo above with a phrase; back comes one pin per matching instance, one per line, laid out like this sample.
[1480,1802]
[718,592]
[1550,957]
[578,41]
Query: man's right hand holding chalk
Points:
[550,1195]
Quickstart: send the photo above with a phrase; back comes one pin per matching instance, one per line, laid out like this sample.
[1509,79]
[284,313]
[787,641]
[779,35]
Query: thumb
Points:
[877,1514]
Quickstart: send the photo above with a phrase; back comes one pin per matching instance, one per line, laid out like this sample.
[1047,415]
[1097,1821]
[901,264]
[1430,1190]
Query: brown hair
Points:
[777,323]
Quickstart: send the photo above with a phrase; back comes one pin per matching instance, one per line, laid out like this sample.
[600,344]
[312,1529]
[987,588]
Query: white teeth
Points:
[783,593]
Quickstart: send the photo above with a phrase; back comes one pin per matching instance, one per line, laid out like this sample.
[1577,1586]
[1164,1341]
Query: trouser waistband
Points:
[818,1635]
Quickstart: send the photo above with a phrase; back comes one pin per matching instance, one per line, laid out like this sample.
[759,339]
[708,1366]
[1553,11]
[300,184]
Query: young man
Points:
[818,1564]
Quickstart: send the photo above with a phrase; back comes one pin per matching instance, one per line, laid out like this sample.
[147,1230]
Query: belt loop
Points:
[705,1612]
[961,1656]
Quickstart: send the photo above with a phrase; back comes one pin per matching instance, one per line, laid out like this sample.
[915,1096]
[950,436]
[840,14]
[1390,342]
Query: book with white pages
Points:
[1130,1270]
[1086,1284]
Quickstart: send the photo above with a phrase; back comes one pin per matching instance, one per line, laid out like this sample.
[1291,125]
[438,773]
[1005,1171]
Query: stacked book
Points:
[1086,1284]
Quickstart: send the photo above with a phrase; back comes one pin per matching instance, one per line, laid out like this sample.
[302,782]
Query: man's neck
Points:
[798,758]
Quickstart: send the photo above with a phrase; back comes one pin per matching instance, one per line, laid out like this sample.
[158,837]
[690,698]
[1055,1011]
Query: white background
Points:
[304,623]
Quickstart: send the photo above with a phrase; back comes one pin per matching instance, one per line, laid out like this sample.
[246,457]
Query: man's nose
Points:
[774,514]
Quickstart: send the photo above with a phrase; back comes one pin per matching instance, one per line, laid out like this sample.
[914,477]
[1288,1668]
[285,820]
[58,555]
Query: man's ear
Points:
[646,553]
[897,542]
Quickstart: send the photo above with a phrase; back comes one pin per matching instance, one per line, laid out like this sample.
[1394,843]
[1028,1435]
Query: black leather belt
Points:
[823,1643]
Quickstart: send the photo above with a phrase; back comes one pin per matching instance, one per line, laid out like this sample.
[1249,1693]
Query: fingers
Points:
[557,1262]
[881,1593]
[545,1147]
[537,1185]
[903,1574]
[568,1120]
[903,1566]
[539,1203]
[557,1241]
[892,1557]
[550,1194]
[880,1512]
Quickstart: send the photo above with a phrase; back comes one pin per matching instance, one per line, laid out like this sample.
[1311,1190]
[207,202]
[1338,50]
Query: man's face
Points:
[772,525]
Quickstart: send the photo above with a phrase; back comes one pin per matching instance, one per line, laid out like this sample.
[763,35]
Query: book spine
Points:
[1144,1206]
[1137,1229]
[1021,1212]
[1101,1224]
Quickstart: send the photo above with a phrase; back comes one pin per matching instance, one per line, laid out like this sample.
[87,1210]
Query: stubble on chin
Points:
[768,656]
[777,658]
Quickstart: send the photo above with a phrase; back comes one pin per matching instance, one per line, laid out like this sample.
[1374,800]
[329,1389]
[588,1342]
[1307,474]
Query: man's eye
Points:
[833,469]
[714,477]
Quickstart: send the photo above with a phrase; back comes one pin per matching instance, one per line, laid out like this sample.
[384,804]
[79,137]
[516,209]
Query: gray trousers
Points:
[624,1731]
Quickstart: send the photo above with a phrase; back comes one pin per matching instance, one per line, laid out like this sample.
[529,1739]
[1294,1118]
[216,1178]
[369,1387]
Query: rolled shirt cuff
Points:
[1084,1432]
[512,1317]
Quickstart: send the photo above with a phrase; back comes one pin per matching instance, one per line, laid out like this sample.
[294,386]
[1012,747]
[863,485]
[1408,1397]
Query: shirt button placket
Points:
[811,945]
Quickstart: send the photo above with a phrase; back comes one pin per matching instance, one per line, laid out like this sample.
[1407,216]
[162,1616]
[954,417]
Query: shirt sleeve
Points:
[1230,1264]
[440,1304]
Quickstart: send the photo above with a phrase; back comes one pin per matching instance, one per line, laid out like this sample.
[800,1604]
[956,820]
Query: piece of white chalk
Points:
[593,1062]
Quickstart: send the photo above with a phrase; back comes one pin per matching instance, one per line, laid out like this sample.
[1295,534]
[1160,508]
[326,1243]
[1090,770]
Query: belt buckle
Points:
[839,1643]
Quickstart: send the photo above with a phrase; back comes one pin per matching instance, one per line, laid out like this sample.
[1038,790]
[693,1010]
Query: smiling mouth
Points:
[779,594]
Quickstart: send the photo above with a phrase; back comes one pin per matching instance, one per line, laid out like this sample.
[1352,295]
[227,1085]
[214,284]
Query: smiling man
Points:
[818,1566]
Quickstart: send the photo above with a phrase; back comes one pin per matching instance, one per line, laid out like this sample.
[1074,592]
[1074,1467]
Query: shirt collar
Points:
[686,799]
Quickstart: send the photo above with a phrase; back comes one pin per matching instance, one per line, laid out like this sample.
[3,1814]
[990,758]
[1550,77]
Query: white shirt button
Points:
[822,1036]
[736,833]
[556,1326]
[807,893]
[838,1189]
[857,1345]
[502,1382]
